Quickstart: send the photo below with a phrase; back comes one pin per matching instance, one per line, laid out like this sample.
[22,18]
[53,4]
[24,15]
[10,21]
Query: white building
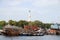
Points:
[55,26]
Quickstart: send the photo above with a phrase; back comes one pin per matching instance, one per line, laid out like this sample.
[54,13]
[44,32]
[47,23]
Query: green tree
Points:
[21,23]
[11,22]
[47,26]
[36,23]
[2,24]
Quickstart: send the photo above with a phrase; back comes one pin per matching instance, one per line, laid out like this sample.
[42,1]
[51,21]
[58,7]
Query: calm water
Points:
[46,37]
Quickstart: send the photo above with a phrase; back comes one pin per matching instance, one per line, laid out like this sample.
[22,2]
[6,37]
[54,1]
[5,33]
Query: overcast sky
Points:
[47,11]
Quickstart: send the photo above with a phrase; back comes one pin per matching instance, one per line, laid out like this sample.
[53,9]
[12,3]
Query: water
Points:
[46,37]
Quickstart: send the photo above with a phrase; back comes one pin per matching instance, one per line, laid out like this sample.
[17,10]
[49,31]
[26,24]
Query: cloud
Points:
[44,10]
[14,2]
[43,3]
[11,2]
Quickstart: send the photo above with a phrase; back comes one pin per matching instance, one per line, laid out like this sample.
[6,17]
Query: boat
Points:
[15,31]
[31,34]
[11,30]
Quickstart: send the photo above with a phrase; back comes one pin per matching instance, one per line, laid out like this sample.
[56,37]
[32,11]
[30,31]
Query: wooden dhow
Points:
[9,30]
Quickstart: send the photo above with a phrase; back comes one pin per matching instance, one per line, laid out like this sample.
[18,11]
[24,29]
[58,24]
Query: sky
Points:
[47,11]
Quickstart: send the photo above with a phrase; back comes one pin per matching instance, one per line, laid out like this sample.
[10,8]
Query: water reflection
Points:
[46,37]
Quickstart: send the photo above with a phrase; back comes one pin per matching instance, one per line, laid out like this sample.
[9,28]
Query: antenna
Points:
[29,15]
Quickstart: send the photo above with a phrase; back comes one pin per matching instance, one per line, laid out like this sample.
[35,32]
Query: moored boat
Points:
[11,30]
